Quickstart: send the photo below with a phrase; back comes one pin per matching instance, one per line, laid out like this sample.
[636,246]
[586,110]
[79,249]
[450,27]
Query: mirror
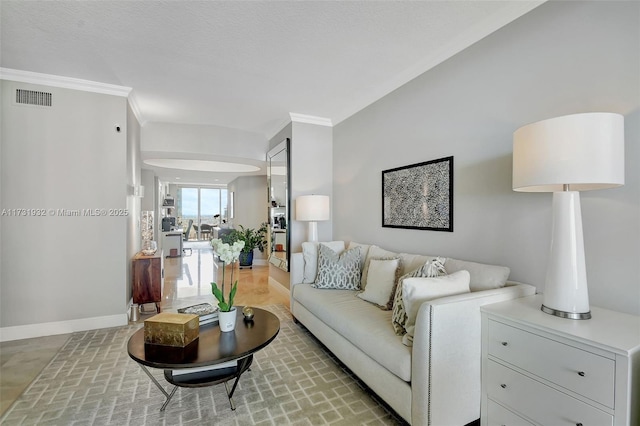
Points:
[278,181]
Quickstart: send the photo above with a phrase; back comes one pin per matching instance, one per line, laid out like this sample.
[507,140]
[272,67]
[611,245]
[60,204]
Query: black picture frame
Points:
[419,196]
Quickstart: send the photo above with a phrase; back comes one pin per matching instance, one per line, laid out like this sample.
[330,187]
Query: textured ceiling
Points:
[245,64]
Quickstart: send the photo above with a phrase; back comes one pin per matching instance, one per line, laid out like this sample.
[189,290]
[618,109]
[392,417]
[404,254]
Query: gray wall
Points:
[61,272]
[148,202]
[311,170]
[561,58]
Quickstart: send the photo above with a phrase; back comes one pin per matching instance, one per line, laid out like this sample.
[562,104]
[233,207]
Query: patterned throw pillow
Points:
[338,271]
[433,268]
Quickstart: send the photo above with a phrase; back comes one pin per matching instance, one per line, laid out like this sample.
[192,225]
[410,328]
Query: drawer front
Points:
[580,371]
[497,415]
[540,402]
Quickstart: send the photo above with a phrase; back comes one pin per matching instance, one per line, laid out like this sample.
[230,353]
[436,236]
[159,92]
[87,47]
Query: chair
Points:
[186,238]
[205,231]
[186,234]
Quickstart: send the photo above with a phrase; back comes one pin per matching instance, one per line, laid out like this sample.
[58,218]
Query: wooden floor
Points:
[187,282]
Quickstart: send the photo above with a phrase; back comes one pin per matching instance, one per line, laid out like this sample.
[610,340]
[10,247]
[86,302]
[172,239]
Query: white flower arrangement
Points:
[228,254]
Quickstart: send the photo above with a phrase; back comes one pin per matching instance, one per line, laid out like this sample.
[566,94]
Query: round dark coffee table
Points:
[214,357]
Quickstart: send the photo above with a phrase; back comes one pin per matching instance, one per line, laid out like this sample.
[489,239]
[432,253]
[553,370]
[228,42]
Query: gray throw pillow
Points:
[338,271]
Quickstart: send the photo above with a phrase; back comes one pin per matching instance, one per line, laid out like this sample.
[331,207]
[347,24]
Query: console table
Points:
[213,358]
[538,369]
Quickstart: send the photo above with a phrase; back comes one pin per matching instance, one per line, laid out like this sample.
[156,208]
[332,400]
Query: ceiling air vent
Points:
[31,97]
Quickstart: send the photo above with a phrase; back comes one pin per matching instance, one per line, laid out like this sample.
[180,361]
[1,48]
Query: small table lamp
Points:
[565,155]
[312,209]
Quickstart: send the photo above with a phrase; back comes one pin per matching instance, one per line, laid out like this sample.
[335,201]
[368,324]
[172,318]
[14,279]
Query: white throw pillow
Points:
[416,291]
[374,252]
[383,275]
[431,268]
[310,256]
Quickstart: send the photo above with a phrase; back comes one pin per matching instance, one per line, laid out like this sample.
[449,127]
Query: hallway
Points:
[187,281]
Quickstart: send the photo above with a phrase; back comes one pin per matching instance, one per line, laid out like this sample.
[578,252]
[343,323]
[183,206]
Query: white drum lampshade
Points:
[313,209]
[564,155]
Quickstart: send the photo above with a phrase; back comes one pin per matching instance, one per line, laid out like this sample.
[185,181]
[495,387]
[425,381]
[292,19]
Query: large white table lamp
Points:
[312,209]
[565,155]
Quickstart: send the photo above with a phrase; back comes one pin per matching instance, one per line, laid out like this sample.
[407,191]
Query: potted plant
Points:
[228,255]
[252,238]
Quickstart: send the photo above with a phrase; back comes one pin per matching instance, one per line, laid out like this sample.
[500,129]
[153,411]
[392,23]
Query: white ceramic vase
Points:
[227,320]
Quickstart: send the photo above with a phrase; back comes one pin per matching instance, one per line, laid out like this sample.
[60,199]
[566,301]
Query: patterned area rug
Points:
[294,380]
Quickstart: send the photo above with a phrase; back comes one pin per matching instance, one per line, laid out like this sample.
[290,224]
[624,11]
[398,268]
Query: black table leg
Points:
[242,367]
[168,396]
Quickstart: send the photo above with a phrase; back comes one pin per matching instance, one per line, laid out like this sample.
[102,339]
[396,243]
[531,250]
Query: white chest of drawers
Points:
[538,369]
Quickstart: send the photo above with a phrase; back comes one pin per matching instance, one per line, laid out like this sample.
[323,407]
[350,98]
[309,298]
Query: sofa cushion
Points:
[363,324]
[411,262]
[381,282]
[364,252]
[431,268]
[483,277]
[310,256]
[338,271]
[417,290]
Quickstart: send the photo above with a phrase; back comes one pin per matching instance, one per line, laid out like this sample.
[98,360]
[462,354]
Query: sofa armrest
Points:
[446,355]
[296,270]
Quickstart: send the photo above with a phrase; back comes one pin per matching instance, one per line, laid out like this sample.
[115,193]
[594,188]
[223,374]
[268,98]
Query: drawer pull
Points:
[503,386]
[581,374]
[504,343]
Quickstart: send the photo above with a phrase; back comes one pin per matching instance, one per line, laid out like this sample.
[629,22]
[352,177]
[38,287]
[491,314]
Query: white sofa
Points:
[434,382]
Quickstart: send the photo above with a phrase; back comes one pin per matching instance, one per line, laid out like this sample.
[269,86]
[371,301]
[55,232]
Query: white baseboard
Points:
[28,331]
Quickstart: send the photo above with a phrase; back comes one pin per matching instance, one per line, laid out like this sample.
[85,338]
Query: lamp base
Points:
[565,291]
[568,315]
[313,231]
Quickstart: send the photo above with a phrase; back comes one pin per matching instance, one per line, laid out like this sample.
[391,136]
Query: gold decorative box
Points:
[171,329]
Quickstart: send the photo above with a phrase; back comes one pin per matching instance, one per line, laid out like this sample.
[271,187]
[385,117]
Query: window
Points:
[206,206]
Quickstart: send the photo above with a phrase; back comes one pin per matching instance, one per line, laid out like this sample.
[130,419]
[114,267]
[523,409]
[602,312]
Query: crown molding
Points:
[310,119]
[133,103]
[63,82]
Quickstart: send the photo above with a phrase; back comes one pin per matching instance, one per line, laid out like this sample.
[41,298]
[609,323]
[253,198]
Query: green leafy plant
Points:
[253,238]
[228,255]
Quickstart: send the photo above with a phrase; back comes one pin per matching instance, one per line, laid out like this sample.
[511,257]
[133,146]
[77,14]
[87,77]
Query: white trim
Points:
[133,103]
[64,82]
[310,119]
[61,327]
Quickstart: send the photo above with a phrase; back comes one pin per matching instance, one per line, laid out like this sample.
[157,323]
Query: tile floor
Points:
[187,282]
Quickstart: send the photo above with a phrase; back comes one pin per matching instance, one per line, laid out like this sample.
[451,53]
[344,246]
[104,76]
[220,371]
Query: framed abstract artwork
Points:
[419,196]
